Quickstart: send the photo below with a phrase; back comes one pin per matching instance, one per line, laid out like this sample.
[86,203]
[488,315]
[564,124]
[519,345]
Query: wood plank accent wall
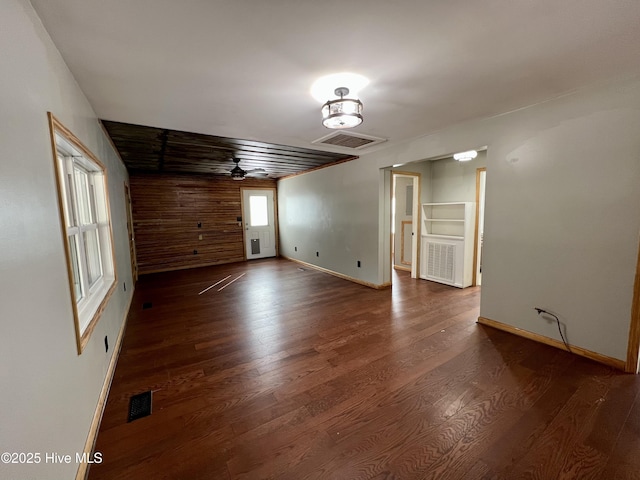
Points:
[166,213]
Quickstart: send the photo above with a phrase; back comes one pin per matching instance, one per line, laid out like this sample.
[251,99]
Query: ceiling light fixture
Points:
[237,173]
[465,156]
[343,112]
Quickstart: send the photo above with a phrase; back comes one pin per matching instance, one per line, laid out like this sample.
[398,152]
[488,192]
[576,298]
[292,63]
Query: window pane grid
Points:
[84,208]
[85,217]
[83,201]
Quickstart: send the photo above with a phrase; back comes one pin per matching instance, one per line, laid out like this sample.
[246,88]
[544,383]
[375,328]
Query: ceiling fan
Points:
[239,174]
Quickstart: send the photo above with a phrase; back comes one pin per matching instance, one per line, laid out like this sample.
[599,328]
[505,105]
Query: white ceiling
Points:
[243,68]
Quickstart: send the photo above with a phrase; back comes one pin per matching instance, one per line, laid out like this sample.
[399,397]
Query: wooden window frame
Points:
[70,156]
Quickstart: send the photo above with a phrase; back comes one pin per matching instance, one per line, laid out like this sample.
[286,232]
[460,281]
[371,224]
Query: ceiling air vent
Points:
[349,140]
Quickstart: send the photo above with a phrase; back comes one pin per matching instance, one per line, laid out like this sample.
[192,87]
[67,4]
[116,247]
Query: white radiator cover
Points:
[446,244]
[441,261]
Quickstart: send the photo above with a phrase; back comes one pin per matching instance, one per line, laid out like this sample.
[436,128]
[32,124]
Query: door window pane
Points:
[258,211]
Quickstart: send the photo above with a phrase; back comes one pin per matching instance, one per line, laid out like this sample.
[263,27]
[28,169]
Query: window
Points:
[84,215]
[258,211]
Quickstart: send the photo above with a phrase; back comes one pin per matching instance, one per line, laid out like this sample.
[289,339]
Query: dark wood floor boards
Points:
[624,461]
[293,374]
[428,432]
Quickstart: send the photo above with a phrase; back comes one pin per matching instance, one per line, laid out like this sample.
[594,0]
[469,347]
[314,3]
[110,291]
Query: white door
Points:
[259,223]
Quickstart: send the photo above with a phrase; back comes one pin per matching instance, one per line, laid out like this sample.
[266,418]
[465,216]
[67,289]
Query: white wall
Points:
[48,392]
[453,181]
[330,212]
[562,219]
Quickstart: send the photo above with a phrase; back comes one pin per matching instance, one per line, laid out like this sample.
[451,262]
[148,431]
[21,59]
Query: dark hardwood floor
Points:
[289,373]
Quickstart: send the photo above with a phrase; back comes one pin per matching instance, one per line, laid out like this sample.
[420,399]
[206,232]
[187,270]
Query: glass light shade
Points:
[342,113]
[465,156]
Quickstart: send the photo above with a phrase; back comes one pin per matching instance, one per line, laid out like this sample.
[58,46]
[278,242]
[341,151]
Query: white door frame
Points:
[479,227]
[275,216]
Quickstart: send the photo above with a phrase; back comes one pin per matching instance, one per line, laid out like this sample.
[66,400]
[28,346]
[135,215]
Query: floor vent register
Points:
[140,406]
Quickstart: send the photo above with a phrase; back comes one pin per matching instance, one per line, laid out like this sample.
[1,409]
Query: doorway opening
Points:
[405,208]
[130,234]
[446,235]
[633,348]
[260,222]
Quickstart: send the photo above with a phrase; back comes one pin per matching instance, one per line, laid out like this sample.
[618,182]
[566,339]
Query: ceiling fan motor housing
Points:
[237,173]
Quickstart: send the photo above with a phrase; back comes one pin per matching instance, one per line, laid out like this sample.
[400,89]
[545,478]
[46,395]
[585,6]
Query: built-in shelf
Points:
[444,220]
[446,248]
[450,237]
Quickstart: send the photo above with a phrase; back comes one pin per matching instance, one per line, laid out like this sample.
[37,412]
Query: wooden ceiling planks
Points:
[155,150]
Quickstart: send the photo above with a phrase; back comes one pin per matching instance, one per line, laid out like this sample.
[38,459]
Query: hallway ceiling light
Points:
[465,156]
[342,112]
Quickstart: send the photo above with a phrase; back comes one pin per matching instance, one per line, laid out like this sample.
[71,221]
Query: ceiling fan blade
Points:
[257,172]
